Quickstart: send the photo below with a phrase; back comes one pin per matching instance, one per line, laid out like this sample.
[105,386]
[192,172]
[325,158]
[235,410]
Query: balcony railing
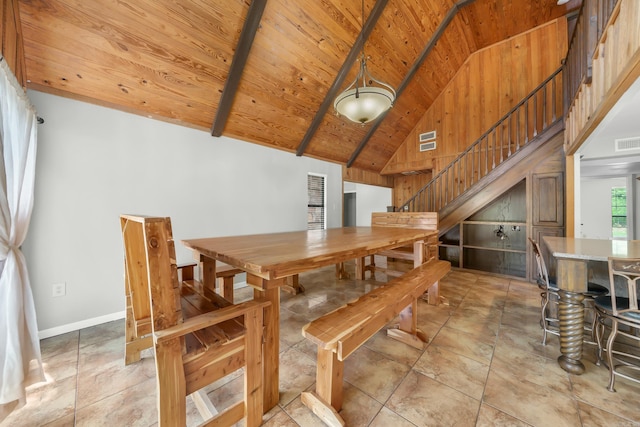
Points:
[591,22]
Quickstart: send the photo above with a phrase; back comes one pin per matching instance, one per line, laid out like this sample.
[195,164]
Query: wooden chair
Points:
[197,340]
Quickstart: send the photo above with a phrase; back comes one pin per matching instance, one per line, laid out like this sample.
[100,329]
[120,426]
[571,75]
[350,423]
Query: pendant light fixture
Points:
[361,102]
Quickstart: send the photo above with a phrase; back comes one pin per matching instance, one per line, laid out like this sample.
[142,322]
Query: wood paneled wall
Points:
[404,187]
[11,39]
[366,177]
[486,87]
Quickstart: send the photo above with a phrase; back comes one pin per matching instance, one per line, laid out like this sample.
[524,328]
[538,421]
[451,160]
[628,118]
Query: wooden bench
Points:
[422,220]
[339,333]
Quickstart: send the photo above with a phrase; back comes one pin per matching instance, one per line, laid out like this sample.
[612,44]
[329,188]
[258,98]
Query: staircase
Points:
[497,160]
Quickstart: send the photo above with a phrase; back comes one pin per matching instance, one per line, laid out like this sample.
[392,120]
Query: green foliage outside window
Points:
[619,212]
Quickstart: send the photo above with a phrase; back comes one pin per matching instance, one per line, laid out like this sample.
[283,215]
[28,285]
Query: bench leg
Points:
[434,294]
[407,331]
[327,400]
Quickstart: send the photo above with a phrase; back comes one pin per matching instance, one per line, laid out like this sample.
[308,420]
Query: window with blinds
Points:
[317,201]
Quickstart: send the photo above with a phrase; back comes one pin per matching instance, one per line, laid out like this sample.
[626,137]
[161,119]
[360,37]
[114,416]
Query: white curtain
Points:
[19,344]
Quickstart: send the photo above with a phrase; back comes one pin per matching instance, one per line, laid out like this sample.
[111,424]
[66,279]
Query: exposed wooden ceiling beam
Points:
[251,24]
[412,71]
[342,74]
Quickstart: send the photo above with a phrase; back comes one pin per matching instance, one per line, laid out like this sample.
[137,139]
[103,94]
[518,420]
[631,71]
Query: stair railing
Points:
[540,109]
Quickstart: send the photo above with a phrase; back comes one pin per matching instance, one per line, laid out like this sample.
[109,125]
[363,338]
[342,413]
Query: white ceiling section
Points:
[623,121]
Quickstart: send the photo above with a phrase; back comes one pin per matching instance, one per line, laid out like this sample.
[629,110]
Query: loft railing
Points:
[591,22]
[533,115]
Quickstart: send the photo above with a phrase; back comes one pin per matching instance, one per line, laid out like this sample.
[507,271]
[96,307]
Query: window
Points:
[317,200]
[619,212]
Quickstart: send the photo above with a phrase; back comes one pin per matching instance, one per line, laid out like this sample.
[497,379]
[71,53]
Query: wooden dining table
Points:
[572,255]
[269,259]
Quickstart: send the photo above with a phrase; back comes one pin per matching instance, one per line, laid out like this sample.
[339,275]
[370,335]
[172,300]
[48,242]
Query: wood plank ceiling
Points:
[170,60]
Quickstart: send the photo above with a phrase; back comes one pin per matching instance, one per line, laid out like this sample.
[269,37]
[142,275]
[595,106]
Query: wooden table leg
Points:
[208,274]
[269,290]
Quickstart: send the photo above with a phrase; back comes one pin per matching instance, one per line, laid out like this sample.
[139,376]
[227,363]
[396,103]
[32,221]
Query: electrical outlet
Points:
[59,290]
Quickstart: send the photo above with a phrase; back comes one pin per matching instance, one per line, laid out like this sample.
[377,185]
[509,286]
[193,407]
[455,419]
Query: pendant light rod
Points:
[333,91]
[409,76]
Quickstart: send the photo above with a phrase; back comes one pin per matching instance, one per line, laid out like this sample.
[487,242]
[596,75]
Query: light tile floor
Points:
[484,366]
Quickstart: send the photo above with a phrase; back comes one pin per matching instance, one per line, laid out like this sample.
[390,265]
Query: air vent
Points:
[628,144]
[428,136]
[428,146]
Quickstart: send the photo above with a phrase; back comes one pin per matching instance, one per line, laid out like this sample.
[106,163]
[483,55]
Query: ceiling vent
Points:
[427,136]
[628,144]
[428,146]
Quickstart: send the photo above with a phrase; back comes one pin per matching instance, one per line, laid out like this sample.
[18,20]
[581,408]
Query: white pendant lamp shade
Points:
[363,104]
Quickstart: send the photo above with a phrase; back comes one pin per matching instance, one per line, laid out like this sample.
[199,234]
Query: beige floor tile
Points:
[297,373]
[478,348]
[116,409]
[302,415]
[387,418]
[485,346]
[392,349]
[373,373]
[358,409]
[591,388]
[536,369]
[594,417]
[102,373]
[426,402]
[461,373]
[545,407]
[491,417]
[45,404]
[60,344]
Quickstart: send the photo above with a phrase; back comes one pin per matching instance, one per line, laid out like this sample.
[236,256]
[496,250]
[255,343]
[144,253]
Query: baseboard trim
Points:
[70,327]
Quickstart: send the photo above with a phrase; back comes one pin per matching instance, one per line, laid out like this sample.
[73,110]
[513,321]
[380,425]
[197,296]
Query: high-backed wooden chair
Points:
[197,340]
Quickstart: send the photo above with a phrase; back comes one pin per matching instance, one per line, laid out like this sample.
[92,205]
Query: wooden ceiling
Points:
[171,59]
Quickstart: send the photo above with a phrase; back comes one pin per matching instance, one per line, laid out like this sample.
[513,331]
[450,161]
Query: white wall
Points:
[369,198]
[94,163]
[595,215]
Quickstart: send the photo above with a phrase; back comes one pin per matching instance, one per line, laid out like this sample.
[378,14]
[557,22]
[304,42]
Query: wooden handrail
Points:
[592,19]
[533,115]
